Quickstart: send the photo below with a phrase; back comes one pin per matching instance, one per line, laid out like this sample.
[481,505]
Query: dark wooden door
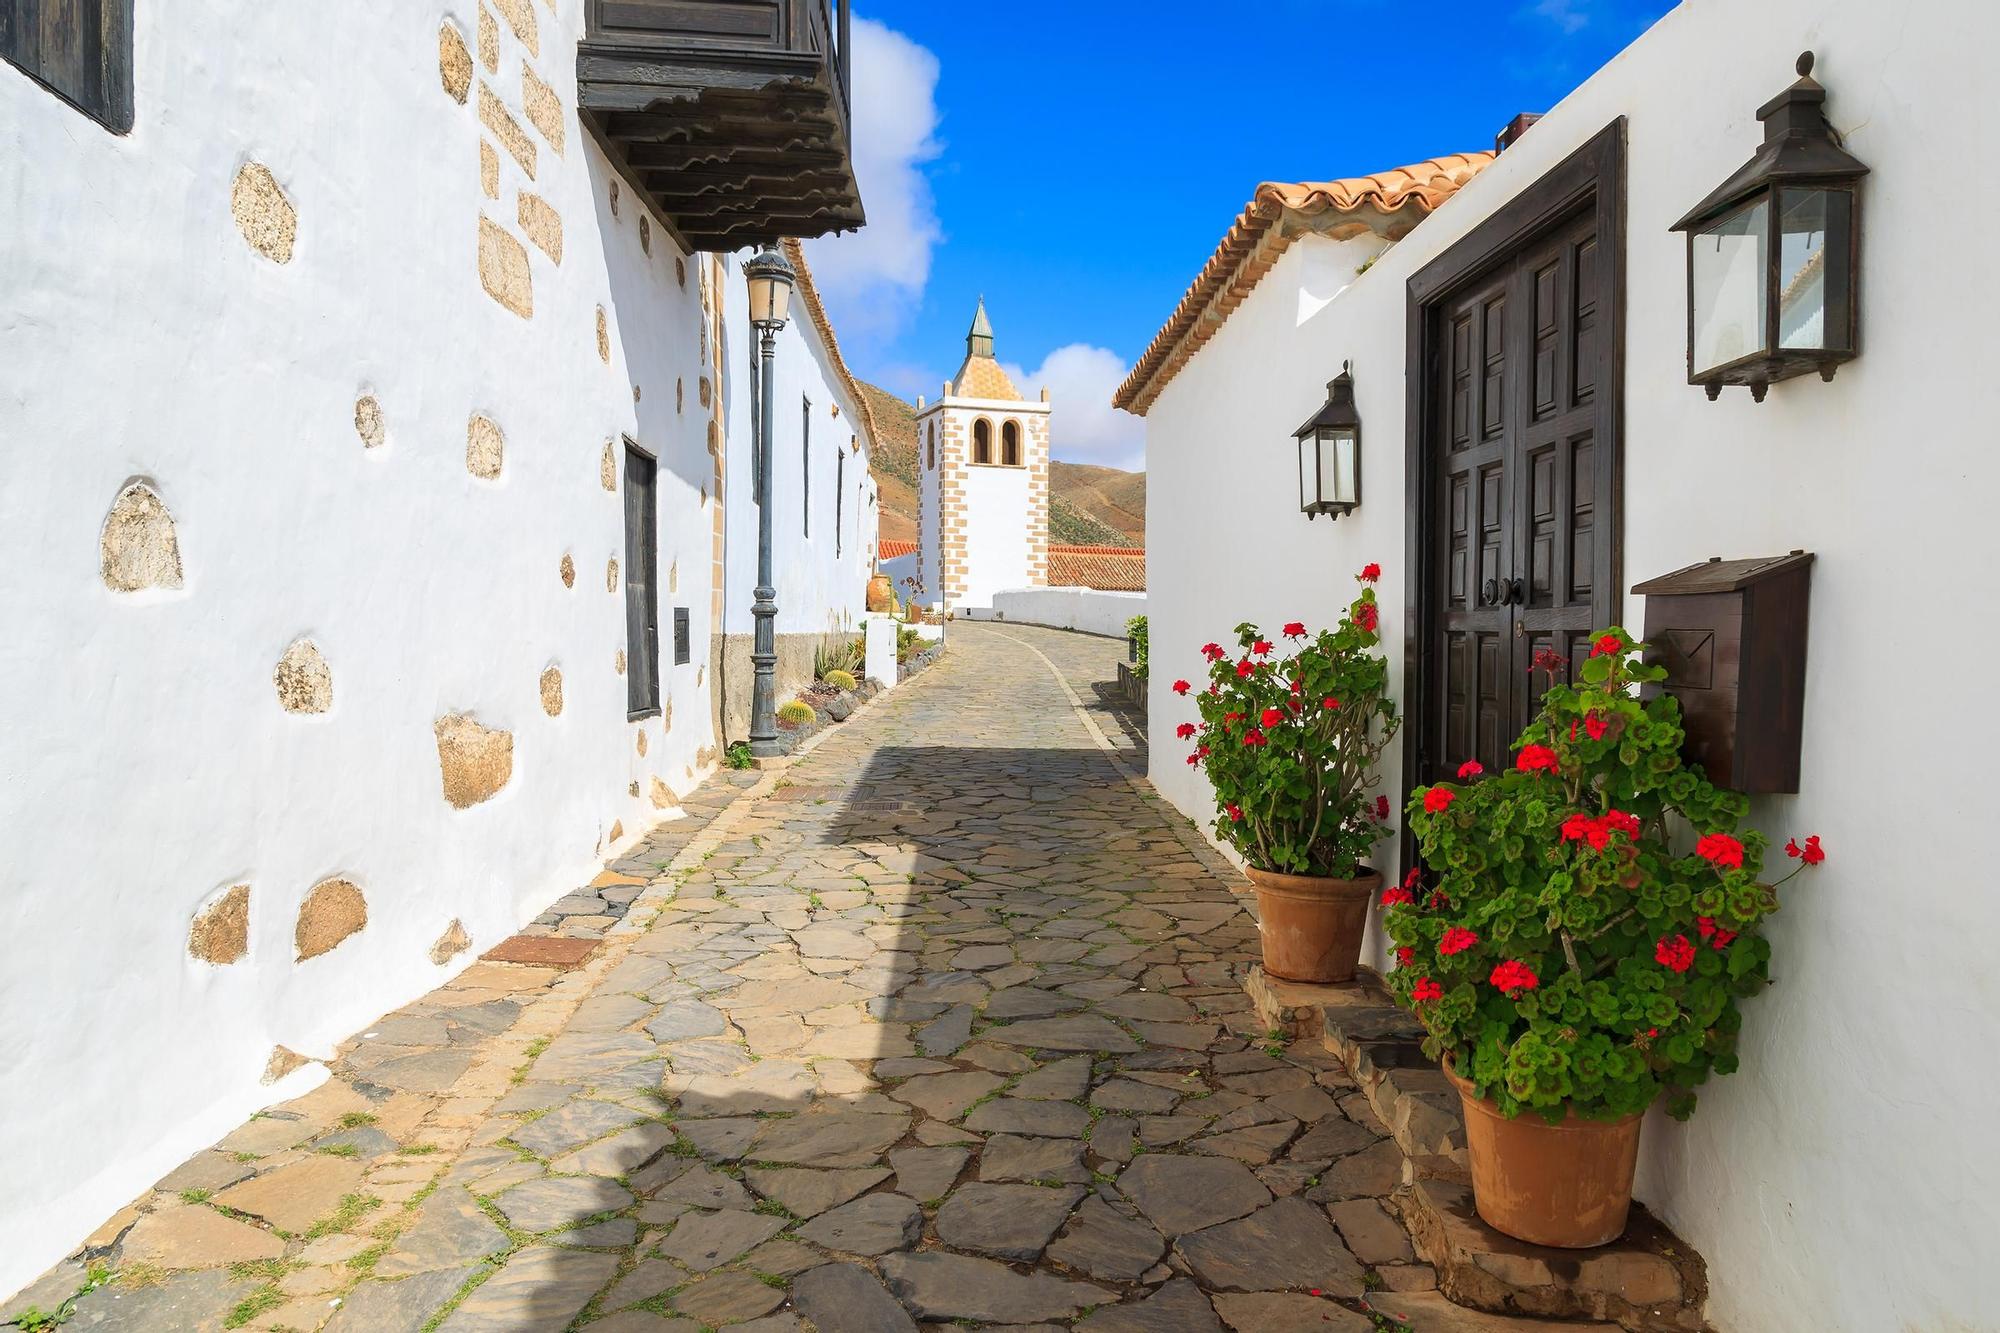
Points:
[1517,486]
[642,610]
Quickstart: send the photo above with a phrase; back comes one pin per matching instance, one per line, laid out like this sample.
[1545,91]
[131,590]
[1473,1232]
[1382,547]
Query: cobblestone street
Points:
[941,1025]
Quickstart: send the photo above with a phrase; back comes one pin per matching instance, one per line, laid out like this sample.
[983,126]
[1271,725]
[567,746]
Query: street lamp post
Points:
[770,278]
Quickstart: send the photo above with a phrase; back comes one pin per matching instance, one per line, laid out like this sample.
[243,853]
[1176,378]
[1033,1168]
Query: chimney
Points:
[1516,127]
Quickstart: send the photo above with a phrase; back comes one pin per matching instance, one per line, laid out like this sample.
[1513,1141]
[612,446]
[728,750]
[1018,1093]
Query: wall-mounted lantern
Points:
[1774,254]
[1330,452]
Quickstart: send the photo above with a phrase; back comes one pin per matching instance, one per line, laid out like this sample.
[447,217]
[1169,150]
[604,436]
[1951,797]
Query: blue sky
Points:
[1076,162]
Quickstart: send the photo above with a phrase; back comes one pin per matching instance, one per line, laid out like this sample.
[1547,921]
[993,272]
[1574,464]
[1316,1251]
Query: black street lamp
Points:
[770,278]
[1330,452]
[1774,254]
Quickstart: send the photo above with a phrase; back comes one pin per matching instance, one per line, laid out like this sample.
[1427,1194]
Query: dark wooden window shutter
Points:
[642,613]
[806,462]
[839,494]
[81,50]
[683,647]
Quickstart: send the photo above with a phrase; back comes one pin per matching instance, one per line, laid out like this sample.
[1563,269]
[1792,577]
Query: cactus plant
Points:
[840,680]
[796,713]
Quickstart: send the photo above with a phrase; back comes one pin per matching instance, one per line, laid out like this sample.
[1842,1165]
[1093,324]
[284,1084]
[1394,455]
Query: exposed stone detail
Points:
[305,684]
[674,577]
[542,223]
[617,832]
[663,796]
[552,696]
[282,1061]
[503,269]
[618,661]
[221,931]
[614,199]
[641,743]
[368,421]
[263,214]
[489,41]
[452,943]
[489,170]
[611,575]
[603,337]
[705,392]
[333,910]
[494,115]
[520,17]
[681,272]
[646,237]
[607,468]
[138,547]
[454,63]
[485,447]
[545,113]
[568,571]
[475,761]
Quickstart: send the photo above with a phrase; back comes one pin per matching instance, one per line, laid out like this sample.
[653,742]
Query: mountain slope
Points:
[1088,505]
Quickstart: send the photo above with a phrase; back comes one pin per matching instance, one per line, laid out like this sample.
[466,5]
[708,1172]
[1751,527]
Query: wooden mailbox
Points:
[1732,637]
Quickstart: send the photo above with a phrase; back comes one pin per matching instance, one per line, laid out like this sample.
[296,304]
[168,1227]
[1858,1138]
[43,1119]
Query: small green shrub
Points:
[845,656]
[738,755]
[795,713]
[1135,634]
[908,644]
[840,680]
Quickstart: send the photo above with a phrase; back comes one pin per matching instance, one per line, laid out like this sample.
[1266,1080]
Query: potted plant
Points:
[1290,741]
[1589,924]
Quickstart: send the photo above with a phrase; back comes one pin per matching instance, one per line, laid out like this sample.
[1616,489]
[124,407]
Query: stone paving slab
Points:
[953,1032]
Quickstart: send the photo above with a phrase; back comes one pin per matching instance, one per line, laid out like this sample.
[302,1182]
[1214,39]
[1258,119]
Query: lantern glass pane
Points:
[1813,277]
[1308,471]
[1727,263]
[1336,463]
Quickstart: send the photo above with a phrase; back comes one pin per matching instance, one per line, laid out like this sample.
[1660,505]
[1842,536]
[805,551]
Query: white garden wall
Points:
[146,765]
[1086,609]
[1844,1180]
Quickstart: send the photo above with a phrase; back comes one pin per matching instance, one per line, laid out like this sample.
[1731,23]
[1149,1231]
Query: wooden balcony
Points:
[733,114]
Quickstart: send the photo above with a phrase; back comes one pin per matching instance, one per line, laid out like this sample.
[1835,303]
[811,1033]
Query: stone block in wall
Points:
[454,63]
[520,16]
[542,224]
[494,115]
[545,110]
[503,269]
[263,214]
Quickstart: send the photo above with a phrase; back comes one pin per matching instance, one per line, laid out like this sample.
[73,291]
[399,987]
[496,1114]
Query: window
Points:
[839,494]
[80,50]
[642,613]
[1010,444]
[683,649]
[982,441]
[806,464]
[932,463]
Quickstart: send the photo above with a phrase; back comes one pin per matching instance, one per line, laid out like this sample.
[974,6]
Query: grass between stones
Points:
[353,1207]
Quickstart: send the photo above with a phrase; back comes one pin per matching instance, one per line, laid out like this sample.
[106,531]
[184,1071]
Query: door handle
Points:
[1489,593]
[1514,592]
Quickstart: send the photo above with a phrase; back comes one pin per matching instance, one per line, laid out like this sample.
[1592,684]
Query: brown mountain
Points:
[1088,505]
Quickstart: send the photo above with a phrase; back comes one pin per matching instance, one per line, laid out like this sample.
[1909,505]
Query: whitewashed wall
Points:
[1845,1179]
[1091,610]
[145,762]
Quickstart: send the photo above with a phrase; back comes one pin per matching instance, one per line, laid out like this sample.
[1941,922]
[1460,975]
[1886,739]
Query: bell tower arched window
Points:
[931,461]
[1010,444]
[982,441]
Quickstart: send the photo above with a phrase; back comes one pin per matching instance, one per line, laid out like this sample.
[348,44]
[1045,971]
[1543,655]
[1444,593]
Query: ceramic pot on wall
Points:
[881,594]
[1311,926]
[1567,1185]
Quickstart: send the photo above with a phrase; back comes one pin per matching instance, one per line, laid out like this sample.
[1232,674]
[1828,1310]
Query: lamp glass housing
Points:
[1814,295]
[1339,450]
[1727,262]
[769,277]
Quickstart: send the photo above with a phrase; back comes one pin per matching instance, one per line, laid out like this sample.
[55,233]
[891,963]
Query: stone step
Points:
[1431,1312]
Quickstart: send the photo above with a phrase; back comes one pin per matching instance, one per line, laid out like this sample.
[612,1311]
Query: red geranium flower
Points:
[1212,651]
[1194,759]
[1381,807]
[1182,687]
[1537,758]
[1367,616]
[1202,753]
[1549,660]
[1261,647]
[1676,954]
[1511,978]
[1253,738]
[1457,939]
[1244,668]
[1705,926]
[1328,702]
[1721,850]
[1425,991]
[1405,956]
[1811,853]
[1370,572]
[1272,717]
[1722,939]
[1184,730]
[1595,725]
[1606,645]
[1235,811]
[1624,823]
[1438,799]
[1393,896]
[1296,629]
[1296,686]
[1471,768]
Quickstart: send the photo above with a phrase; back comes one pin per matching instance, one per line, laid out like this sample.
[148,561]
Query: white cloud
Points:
[874,279]
[1084,427]
[1568,15]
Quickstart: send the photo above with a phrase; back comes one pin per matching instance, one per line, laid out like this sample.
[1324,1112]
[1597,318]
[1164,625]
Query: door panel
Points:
[1519,561]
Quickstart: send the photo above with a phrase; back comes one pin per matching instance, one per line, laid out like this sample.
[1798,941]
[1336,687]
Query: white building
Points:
[375,528]
[982,484]
[1845,1180]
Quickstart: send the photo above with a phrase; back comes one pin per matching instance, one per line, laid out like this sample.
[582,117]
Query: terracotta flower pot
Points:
[881,594]
[1567,1185]
[1312,926]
